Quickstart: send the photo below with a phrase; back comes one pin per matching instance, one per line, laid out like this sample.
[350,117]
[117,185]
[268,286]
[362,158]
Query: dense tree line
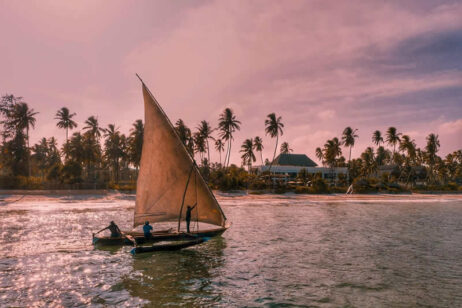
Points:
[102,156]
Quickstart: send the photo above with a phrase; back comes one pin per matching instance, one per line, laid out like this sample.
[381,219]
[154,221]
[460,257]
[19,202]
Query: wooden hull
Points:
[167,247]
[165,235]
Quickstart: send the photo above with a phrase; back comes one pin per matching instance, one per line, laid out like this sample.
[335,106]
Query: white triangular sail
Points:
[165,168]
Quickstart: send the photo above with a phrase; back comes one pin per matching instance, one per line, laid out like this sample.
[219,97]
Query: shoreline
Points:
[105,192]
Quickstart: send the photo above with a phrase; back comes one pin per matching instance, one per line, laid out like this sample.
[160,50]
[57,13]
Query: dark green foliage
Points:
[71,172]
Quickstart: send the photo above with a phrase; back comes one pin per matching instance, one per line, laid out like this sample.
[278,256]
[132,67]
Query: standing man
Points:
[188,216]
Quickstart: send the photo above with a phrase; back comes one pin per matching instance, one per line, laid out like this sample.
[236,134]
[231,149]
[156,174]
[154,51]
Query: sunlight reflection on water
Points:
[292,250]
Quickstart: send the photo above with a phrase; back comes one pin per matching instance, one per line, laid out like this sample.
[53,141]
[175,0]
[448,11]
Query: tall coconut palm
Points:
[382,156]
[258,146]
[228,124]
[273,127]
[377,138]
[348,139]
[205,130]
[369,163]
[93,127]
[247,153]
[65,120]
[331,151]
[432,147]
[408,146]
[392,138]
[23,118]
[219,146]
[285,148]
[135,143]
[319,155]
[185,135]
[113,149]
[200,145]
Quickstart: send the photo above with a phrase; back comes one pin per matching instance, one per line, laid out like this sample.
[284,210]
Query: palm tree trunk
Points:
[208,151]
[28,151]
[261,156]
[229,154]
[219,151]
[274,155]
[349,157]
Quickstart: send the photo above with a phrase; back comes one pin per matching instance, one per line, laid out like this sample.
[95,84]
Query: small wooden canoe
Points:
[164,235]
[168,246]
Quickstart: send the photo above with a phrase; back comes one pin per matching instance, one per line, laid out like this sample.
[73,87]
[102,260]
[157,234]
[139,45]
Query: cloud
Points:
[321,65]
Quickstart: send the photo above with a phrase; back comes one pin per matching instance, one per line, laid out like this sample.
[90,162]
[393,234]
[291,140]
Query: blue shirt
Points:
[147,229]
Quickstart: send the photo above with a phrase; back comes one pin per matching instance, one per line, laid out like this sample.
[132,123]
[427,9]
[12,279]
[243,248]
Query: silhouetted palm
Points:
[185,135]
[393,137]
[135,143]
[23,118]
[93,127]
[113,149]
[205,130]
[432,147]
[331,151]
[348,139]
[228,124]
[319,155]
[247,153]
[65,120]
[377,138]
[258,146]
[273,127]
[219,146]
[285,149]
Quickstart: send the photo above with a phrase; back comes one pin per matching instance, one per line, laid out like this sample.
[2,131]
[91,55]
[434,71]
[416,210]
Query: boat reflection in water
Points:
[183,276]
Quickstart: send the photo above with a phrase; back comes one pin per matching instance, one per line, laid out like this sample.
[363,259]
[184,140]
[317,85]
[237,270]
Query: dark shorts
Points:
[148,235]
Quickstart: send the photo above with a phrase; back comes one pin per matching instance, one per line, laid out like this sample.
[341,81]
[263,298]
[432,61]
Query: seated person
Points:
[147,230]
[115,231]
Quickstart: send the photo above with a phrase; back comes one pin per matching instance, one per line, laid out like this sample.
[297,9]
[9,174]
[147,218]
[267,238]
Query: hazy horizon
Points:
[321,65]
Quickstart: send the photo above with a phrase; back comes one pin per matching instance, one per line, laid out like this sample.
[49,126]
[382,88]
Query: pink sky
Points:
[321,65]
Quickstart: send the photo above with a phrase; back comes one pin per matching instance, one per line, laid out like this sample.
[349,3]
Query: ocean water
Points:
[281,250]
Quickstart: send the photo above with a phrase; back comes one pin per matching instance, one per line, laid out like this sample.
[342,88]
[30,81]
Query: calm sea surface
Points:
[366,251]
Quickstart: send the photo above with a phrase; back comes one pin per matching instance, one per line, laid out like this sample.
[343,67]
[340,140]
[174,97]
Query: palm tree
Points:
[135,142]
[407,145]
[369,164]
[377,138]
[258,146]
[93,127]
[228,124]
[285,149]
[205,130]
[348,139]
[393,137]
[274,129]
[65,120]
[331,151]
[113,149]
[22,118]
[432,147]
[319,155]
[200,145]
[382,156]
[185,136]
[247,153]
[219,146]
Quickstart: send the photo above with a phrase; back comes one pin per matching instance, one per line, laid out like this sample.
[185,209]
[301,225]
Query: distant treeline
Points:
[97,157]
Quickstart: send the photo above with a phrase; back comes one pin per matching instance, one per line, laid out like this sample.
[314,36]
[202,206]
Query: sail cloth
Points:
[164,171]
